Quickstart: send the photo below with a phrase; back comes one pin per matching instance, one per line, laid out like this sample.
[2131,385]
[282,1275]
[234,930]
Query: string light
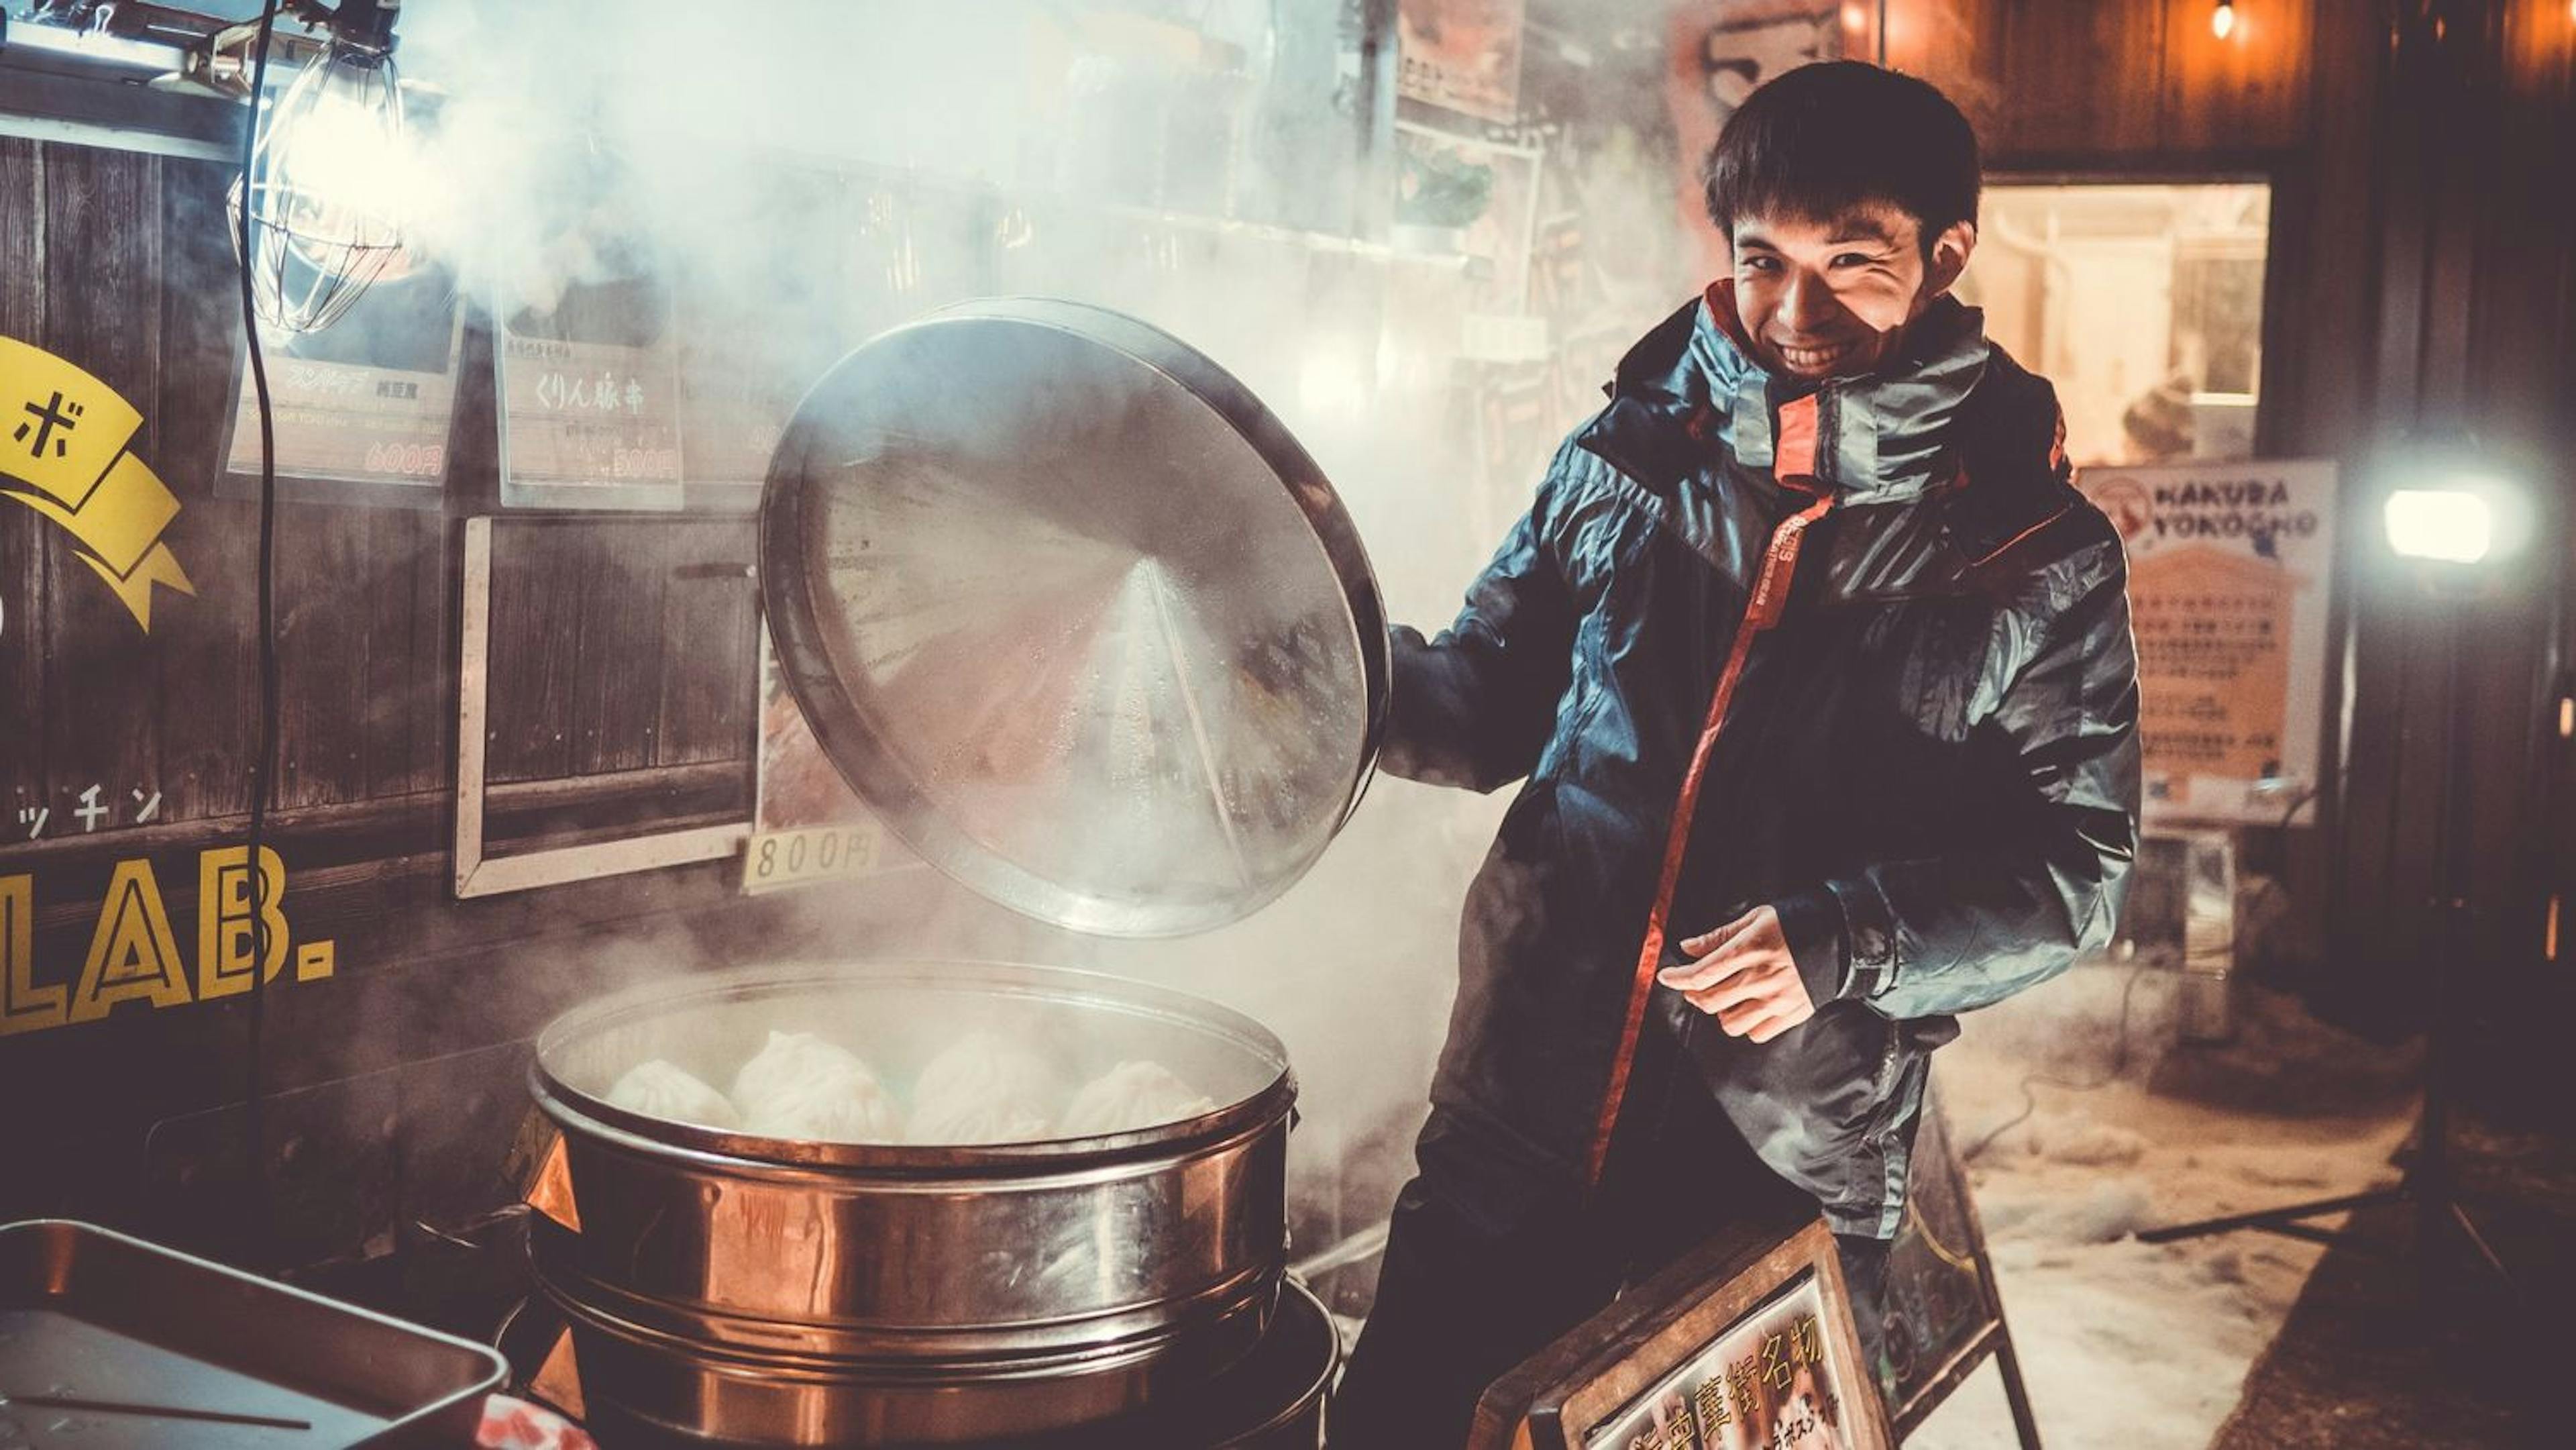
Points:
[2222,21]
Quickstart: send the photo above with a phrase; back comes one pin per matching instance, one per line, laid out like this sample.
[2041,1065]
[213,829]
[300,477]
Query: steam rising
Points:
[772,156]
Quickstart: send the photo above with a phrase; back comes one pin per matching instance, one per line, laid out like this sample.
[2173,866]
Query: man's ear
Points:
[1950,252]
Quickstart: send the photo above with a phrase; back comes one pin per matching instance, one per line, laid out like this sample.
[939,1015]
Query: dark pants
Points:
[1483,1268]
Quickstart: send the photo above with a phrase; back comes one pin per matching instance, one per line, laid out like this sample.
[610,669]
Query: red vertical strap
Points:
[1761,611]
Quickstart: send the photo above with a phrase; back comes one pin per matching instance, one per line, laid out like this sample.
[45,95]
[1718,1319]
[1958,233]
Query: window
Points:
[2143,304]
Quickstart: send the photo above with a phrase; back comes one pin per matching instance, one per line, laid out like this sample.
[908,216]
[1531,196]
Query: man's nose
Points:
[1810,303]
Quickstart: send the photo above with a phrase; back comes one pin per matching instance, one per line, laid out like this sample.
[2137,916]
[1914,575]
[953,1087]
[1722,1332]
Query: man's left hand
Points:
[1742,975]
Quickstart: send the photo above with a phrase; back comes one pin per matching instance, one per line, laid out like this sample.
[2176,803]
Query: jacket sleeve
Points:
[1951,933]
[1474,706]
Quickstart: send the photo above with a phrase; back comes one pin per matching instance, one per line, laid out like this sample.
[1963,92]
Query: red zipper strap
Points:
[1761,611]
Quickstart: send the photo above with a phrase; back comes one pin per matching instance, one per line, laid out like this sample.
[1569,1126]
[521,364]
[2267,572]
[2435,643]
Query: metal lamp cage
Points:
[320,235]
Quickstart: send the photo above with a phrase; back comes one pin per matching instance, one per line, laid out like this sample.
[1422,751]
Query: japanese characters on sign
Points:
[590,414]
[367,400]
[2229,570]
[66,456]
[1770,1382]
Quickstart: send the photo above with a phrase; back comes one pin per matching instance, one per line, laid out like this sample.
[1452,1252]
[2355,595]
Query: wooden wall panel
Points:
[2081,78]
[2248,92]
[102,280]
[619,572]
[535,658]
[24,537]
[325,575]
[709,612]
[410,708]
[208,687]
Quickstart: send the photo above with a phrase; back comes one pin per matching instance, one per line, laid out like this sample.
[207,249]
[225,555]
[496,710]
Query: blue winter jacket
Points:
[1928,761]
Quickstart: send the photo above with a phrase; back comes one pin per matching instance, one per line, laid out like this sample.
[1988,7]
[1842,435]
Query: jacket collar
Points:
[1883,437]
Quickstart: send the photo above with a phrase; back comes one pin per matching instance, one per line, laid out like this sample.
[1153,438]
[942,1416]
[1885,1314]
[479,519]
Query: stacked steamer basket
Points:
[1087,630]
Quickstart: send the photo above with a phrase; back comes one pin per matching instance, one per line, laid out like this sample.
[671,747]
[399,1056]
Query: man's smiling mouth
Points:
[1807,359]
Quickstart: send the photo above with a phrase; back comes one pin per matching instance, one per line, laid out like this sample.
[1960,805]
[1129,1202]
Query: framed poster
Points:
[586,368]
[2230,566]
[1461,55]
[360,409]
[1746,1342]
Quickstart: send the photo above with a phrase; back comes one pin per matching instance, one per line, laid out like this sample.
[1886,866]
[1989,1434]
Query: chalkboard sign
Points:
[1944,1318]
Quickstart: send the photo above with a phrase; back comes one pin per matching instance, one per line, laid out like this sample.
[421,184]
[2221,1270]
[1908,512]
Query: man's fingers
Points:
[1705,973]
[1709,941]
[1768,1028]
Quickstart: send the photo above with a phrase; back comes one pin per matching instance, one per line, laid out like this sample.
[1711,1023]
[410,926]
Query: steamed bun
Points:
[659,1089]
[799,1086]
[1132,1096]
[982,1090]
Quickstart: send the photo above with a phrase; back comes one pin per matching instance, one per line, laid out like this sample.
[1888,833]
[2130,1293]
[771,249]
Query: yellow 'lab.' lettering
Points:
[133,956]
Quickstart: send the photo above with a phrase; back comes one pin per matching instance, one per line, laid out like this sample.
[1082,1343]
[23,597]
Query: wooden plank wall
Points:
[623,670]
[118,262]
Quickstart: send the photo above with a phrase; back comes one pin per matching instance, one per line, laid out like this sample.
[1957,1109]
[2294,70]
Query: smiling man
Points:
[1819,674]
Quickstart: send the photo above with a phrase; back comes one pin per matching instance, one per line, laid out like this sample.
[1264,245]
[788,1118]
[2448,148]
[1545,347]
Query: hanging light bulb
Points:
[328,178]
[2222,21]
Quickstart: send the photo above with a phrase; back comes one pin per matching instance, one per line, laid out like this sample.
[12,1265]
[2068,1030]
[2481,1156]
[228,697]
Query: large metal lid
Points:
[1075,615]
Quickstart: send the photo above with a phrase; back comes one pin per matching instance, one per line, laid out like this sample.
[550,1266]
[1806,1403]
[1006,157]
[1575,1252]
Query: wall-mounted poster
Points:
[1461,55]
[808,825]
[1476,197]
[585,349]
[2230,565]
[360,409]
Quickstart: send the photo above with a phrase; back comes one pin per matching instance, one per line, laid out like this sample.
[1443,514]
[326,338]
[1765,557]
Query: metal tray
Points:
[200,1356]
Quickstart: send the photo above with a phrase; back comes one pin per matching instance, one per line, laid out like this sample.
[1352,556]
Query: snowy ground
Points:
[2125,1345]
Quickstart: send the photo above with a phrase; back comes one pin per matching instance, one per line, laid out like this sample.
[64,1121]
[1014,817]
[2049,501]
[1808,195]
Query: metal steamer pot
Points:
[1088,631]
[738,1288]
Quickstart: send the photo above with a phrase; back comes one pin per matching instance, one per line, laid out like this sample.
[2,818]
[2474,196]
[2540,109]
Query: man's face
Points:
[1832,298]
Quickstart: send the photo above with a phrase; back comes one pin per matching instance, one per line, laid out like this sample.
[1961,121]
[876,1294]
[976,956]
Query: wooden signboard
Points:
[1944,1318]
[1747,1341]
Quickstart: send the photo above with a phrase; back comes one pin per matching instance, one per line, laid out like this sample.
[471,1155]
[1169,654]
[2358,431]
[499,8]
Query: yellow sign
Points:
[63,444]
[134,956]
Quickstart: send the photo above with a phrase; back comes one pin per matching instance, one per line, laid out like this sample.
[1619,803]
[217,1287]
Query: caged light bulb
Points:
[2222,21]
[327,188]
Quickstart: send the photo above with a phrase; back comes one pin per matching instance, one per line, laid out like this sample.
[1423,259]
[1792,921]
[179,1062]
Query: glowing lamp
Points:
[2222,21]
[2466,520]
[328,180]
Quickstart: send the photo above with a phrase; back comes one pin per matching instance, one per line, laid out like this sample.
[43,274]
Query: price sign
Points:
[809,827]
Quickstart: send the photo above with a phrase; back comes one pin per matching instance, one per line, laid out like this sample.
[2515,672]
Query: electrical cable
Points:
[255,1159]
[2030,1100]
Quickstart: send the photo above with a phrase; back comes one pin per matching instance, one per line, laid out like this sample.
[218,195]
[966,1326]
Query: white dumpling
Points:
[1130,1097]
[982,1090]
[800,1086]
[660,1089]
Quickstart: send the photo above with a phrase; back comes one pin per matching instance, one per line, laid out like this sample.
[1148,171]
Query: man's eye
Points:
[1852,259]
[1761,264]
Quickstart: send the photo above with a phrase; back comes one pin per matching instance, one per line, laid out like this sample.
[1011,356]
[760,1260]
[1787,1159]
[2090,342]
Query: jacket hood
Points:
[1883,437]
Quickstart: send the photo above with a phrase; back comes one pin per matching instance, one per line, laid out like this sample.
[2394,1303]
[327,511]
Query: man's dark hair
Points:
[1823,139]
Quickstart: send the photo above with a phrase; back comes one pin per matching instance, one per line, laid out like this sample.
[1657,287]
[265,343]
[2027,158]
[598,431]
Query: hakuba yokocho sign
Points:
[133,954]
[2230,566]
[64,452]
